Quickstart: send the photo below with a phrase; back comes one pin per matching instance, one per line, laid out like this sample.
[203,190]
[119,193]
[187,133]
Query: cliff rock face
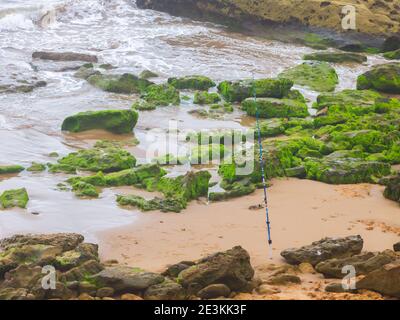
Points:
[374,17]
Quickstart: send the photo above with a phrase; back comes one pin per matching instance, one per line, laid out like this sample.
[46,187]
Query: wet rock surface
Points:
[324,249]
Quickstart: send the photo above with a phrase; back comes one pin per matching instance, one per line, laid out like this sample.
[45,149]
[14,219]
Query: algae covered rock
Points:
[125,84]
[157,96]
[126,279]
[105,158]
[275,108]
[384,78]
[392,55]
[83,189]
[237,91]
[37,167]
[318,76]
[11,169]
[336,57]
[203,97]
[233,190]
[115,121]
[348,98]
[194,82]
[14,198]
[147,74]
[324,249]
[336,169]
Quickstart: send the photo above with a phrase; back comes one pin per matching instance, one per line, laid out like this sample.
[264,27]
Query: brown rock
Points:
[130,296]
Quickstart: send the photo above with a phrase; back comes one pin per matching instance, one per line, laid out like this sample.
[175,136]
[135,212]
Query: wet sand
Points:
[302,211]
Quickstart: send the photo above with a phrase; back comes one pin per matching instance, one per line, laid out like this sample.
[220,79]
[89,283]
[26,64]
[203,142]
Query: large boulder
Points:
[318,76]
[115,121]
[384,78]
[385,280]
[275,108]
[364,263]
[231,268]
[237,91]
[127,279]
[64,56]
[324,249]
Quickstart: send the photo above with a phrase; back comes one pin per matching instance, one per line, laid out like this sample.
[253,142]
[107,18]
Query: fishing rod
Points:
[262,162]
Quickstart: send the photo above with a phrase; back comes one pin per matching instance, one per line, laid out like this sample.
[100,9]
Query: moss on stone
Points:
[14,198]
[84,190]
[125,84]
[336,57]
[275,108]
[383,78]
[194,82]
[204,97]
[318,76]
[161,95]
[37,167]
[147,74]
[106,158]
[11,169]
[348,98]
[237,91]
[392,55]
[115,121]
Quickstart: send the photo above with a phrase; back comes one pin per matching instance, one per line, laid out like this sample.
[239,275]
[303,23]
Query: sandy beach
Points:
[302,211]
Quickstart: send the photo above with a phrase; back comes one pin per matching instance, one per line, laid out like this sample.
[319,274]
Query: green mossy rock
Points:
[115,121]
[195,82]
[147,74]
[348,98]
[203,154]
[392,55]
[37,167]
[126,83]
[336,57]
[383,78]
[370,141]
[392,190]
[11,169]
[295,95]
[161,95]
[164,205]
[86,71]
[234,190]
[339,169]
[105,158]
[204,97]
[271,128]
[275,108]
[318,76]
[14,198]
[177,192]
[237,91]
[83,189]
[188,187]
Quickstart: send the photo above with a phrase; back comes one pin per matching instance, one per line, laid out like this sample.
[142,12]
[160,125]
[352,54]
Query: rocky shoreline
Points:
[63,266]
[376,19]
